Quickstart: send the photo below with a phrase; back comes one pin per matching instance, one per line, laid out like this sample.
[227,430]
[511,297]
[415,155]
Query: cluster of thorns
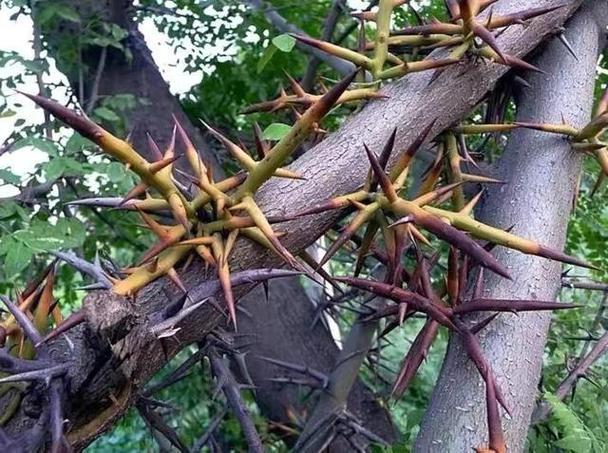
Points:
[206,216]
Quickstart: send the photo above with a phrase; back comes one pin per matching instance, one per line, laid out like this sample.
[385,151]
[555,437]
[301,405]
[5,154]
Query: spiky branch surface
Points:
[139,347]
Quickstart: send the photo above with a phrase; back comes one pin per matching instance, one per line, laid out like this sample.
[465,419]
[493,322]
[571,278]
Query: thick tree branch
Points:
[542,172]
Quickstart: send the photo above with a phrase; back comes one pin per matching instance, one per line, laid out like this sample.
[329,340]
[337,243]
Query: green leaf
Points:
[9,177]
[106,114]
[42,144]
[284,42]
[7,113]
[116,172]
[266,57]
[46,13]
[53,169]
[67,13]
[43,236]
[76,143]
[276,131]
[17,258]
[59,166]
[577,443]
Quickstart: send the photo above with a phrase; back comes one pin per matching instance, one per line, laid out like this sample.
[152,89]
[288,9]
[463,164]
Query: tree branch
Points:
[568,384]
[277,21]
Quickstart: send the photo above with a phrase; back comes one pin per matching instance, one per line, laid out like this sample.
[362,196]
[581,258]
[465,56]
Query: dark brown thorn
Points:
[80,123]
[384,156]
[506,305]
[380,176]
[71,321]
[489,39]
[483,323]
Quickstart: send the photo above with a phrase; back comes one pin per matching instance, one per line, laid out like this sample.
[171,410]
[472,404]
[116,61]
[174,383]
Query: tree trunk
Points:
[300,340]
[542,173]
[282,325]
[106,376]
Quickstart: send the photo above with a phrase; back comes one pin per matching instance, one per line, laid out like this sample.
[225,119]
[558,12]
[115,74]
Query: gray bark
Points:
[337,165]
[541,170]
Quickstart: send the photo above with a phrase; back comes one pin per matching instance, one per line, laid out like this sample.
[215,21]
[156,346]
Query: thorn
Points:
[154,149]
[562,38]
[71,321]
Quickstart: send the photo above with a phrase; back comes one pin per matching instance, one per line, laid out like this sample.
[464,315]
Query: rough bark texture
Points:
[335,166]
[541,170]
[281,326]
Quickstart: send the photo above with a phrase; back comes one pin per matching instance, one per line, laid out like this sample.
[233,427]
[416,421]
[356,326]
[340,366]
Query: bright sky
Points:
[16,35]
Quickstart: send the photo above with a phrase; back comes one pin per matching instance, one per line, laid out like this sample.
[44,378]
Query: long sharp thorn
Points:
[490,40]
[518,17]
[414,358]
[262,223]
[70,322]
[162,164]
[236,151]
[43,375]
[261,145]
[24,322]
[135,192]
[33,285]
[92,287]
[194,159]
[384,156]
[380,176]
[470,206]
[338,51]
[459,239]
[360,218]
[80,123]
[510,305]
[483,323]
[158,230]
[516,62]
[84,266]
[295,86]
[308,259]
[497,441]
[174,277]
[154,149]
[404,160]
[562,38]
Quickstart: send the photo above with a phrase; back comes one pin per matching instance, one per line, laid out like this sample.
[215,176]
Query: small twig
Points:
[95,87]
[230,387]
[578,372]
[213,424]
